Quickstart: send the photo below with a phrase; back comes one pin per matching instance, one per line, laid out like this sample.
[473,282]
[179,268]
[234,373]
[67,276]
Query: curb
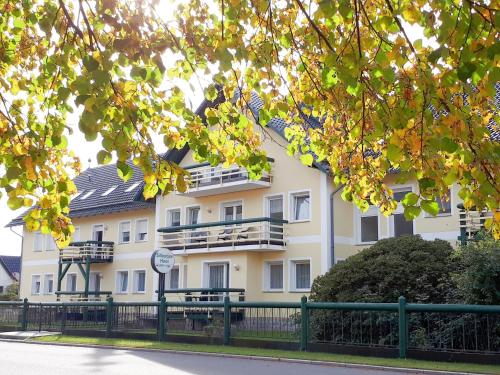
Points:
[240,356]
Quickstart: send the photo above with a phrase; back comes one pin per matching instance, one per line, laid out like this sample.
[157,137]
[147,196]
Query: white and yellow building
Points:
[270,237]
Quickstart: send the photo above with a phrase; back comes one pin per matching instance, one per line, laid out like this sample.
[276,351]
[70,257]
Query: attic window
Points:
[132,187]
[87,194]
[78,193]
[107,192]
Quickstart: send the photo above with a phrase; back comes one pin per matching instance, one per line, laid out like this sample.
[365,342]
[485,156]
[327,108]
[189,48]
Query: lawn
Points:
[392,362]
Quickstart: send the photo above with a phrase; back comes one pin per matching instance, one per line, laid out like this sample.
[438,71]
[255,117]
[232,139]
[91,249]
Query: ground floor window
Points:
[122,282]
[273,276]
[368,225]
[300,272]
[139,281]
[71,282]
[48,284]
[35,284]
[216,275]
[172,279]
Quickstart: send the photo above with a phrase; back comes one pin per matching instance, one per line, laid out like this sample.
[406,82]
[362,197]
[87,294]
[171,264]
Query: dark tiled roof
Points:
[101,179]
[12,264]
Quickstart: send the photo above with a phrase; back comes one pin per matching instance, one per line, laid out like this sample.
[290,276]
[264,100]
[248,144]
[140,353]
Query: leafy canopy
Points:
[384,99]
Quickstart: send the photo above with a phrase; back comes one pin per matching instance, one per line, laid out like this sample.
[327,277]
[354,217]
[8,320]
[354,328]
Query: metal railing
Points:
[204,294]
[399,328]
[471,223]
[206,176]
[257,233]
[96,251]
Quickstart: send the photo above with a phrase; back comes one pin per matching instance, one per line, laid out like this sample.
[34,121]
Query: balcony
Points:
[94,251]
[207,180]
[472,223]
[258,234]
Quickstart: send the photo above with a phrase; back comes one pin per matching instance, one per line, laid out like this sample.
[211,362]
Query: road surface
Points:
[34,359]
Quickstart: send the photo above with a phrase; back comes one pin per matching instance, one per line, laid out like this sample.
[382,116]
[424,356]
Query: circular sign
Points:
[162,260]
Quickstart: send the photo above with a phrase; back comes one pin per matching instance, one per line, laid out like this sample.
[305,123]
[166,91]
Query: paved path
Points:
[35,359]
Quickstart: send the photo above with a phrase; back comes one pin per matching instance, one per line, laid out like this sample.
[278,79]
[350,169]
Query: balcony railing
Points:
[96,251]
[207,180]
[471,223]
[258,234]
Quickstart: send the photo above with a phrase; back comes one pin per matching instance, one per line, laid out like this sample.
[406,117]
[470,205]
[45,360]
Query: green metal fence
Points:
[399,328]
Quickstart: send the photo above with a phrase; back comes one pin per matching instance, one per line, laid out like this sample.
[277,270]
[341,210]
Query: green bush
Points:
[478,279]
[406,266]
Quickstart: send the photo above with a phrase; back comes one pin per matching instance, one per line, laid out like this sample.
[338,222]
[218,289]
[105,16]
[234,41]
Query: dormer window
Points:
[107,192]
[87,194]
[132,187]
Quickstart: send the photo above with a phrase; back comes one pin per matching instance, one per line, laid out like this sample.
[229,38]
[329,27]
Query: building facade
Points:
[268,238]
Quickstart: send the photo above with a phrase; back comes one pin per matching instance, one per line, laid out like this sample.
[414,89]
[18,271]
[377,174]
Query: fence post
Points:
[161,318]
[24,322]
[227,321]
[109,316]
[304,320]
[403,327]
[63,318]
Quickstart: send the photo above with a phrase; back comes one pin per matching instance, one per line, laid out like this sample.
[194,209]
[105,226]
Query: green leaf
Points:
[448,145]
[14,203]
[431,207]
[465,71]
[124,170]
[410,199]
[426,183]
[307,159]
[394,153]
[90,63]
[103,157]
[411,212]
[211,93]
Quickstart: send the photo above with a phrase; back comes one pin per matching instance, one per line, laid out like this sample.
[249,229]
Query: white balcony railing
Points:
[247,234]
[472,223]
[208,180]
[98,251]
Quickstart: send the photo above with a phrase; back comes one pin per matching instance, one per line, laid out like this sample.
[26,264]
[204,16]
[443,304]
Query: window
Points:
[368,225]
[71,282]
[38,241]
[49,243]
[122,282]
[142,230]
[1,289]
[444,205]
[132,187]
[301,206]
[109,191]
[193,214]
[95,281]
[300,275]
[97,232]
[76,235]
[124,232]
[173,279]
[216,275]
[174,217]
[35,284]
[87,194]
[232,211]
[48,284]
[399,225]
[273,280]
[140,281]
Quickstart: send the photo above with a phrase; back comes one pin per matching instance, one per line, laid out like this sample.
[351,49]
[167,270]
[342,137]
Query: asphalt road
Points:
[26,359]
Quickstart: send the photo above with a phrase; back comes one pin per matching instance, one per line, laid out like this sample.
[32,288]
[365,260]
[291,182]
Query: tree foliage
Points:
[385,99]
[406,266]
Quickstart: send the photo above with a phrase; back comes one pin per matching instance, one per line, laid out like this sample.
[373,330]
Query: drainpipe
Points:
[332,230]
[21,263]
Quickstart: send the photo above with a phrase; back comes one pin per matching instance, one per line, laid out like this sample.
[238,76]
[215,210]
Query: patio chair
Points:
[225,235]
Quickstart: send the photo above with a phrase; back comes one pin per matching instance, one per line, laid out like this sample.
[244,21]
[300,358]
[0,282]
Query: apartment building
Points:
[269,238]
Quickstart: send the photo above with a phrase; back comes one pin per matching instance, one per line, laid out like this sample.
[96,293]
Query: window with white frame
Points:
[172,279]
[273,276]
[399,225]
[124,232]
[76,235]
[174,217]
[232,211]
[38,241]
[71,282]
[48,284]
[35,284]
[141,227]
[122,282]
[50,244]
[139,281]
[193,215]
[300,206]
[368,225]
[300,275]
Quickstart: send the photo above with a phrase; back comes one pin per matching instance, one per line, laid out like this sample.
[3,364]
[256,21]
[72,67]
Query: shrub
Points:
[406,266]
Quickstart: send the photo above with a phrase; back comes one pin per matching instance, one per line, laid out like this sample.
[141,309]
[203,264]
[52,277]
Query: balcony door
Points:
[275,210]
[97,235]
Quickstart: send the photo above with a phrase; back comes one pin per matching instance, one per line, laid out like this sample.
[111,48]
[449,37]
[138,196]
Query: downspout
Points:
[332,230]
[21,263]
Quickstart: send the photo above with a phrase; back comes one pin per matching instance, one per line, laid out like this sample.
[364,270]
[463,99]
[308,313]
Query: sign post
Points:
[162,261]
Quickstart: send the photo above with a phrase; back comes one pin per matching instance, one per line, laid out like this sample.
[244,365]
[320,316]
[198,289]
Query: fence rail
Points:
[399,327]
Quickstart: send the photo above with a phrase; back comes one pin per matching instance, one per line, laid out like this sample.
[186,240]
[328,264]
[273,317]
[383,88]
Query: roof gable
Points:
[11,264]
